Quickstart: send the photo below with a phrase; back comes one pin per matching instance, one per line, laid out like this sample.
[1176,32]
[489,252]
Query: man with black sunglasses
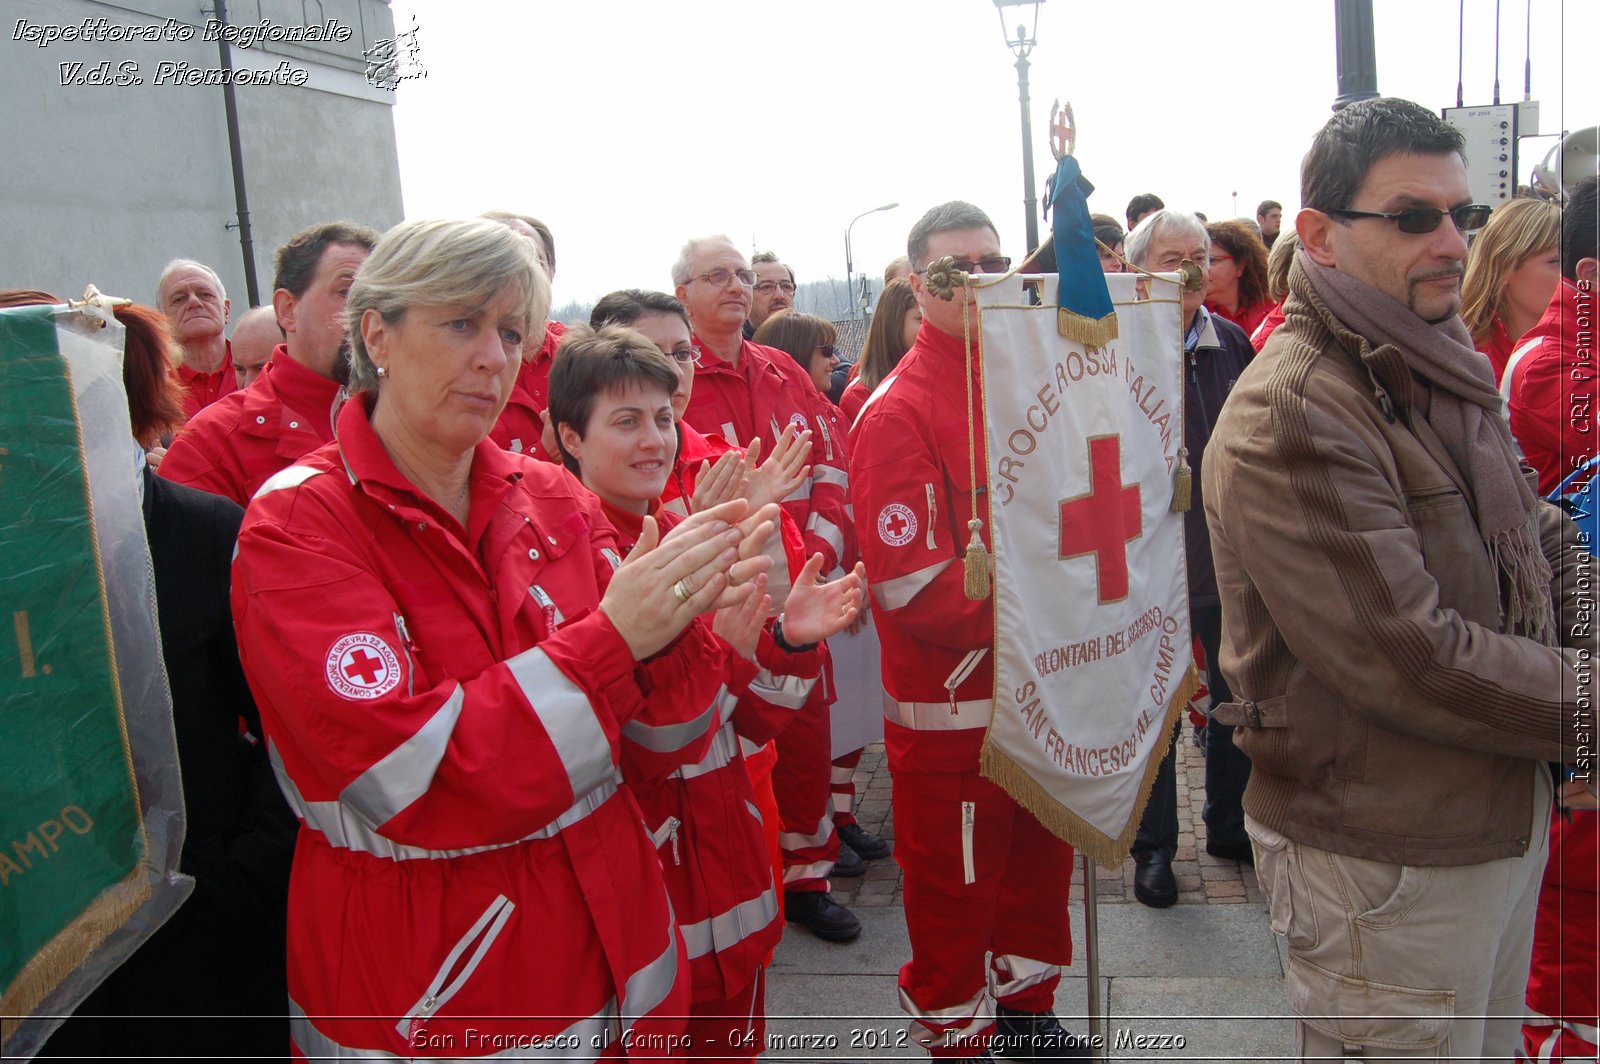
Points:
[1402,622]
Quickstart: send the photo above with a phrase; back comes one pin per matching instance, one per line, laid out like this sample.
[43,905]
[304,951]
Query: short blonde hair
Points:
[1516,231]
[437,263]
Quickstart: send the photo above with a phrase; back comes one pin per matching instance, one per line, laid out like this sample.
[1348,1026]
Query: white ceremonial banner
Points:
[1093,656]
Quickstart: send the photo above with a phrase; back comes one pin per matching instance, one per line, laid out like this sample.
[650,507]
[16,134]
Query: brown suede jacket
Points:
[1385,714]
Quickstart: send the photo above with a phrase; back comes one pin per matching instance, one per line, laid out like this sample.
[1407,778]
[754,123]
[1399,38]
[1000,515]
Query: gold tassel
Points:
[977,565]
[1182,484]
[1090,332]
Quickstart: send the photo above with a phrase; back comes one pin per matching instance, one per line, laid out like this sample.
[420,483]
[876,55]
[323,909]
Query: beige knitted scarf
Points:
[1461,405]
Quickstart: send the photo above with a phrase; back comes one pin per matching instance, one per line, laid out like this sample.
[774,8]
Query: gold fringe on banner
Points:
[1090,332]
[994,764]
[1182,484]
[57,959]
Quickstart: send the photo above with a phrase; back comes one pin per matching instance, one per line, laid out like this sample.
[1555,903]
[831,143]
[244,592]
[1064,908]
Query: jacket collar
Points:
[287,385]
[1560,318]
[374,473]
[1384,365]
[941,345]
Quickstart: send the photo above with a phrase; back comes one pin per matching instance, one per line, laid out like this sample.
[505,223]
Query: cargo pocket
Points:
[1281,873]
[1364,1013]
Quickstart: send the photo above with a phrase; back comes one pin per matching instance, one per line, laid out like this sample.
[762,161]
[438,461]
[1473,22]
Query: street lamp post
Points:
[1021,47]
[849,262]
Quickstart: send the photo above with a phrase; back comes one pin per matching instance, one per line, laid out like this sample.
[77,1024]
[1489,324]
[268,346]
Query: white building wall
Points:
[104,184]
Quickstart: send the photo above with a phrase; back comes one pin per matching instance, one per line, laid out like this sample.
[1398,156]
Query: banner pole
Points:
[1091,944]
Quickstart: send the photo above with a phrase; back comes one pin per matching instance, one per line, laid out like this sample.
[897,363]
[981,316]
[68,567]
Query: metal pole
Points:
[1091,947]
[1030,202]
[1356,55]
[848,265]
[241,200]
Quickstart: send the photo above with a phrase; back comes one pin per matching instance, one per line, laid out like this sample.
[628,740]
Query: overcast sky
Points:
[630,125]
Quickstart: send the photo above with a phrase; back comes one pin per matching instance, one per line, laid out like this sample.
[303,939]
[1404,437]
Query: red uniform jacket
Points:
[707,830]
[1553,404]
[234,445]
[765,393]
[446,710]
[521,424]
[853,399]
[913,497]
[1497,348]
[200,390]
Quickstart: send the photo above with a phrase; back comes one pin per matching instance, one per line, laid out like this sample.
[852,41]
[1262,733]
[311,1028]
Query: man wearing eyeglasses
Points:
[1402,621]
[744,390]
[985,882]
[774,290]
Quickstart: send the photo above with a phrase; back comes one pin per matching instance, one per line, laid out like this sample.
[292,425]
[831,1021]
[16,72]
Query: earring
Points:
[383,371]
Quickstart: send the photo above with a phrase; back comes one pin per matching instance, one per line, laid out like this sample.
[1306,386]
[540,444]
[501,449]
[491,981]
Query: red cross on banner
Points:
[365,666]
[1104,520]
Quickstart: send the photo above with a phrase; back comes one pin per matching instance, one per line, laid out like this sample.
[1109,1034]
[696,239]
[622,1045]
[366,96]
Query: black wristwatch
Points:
[783,644]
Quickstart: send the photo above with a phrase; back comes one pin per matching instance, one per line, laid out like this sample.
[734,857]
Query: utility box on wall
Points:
[1491,135]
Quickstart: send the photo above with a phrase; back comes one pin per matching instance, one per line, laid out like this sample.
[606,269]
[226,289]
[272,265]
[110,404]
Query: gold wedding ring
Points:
[681,590]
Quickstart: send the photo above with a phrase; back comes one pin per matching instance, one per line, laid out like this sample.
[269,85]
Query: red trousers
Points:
[982,875]
[801,782]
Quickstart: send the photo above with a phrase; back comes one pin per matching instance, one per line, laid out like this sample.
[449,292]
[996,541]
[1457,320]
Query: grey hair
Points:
[957,214]
[1144,234]
[691,248]
[438,263]
[772,256]
[179,264]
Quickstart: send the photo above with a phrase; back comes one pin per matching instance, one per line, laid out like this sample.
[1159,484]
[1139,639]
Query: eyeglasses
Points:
[1221,258]
[1468,218]
[993,264]
[685,354]
[828,350]
[720,278]
[766,288]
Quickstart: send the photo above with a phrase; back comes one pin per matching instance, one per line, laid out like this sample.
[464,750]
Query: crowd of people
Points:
[527,626]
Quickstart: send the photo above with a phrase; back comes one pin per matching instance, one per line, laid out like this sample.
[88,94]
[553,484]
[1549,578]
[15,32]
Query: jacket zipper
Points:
[962,671]
[405,647]
[827,440]
[933,513]
[668,830]
[969,817]
[484,932]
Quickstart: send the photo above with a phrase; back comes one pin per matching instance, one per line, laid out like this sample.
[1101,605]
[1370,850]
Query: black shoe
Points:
[1034,1036]
[849,865]
[1153,882]
[1232,851]
[821,915]
[864,842]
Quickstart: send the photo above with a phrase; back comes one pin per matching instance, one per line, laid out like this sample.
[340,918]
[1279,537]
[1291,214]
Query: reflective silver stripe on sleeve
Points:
[344,828]
[976,1011]
[790,692]
[665,738]
[292,477]
[826,531]
[591,1034]
[648,987]
[723,749]
[381,792]
[679,506]
[801,873]
[728,929]
[823,474]
[939,716]
[892,594]
[568,718]
[751,806]
[750,749]
[799,494]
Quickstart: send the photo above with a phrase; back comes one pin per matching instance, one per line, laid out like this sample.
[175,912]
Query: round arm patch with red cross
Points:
[362,666]
[897,525]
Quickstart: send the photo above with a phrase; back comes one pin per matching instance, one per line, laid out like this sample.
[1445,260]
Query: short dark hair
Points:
[297,260]
[1143,203]
[1580,227]
[957,214]
[796,335]
[771,256]
[627,305]
[1358,137]
[1268,205]
[592,362]
[1107,230]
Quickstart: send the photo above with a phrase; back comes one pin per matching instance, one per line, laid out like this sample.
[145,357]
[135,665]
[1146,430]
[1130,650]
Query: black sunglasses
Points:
[1468,218]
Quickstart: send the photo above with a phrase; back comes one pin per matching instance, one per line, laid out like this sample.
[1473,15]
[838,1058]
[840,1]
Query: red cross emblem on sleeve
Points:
[1104,520]
[362,666]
